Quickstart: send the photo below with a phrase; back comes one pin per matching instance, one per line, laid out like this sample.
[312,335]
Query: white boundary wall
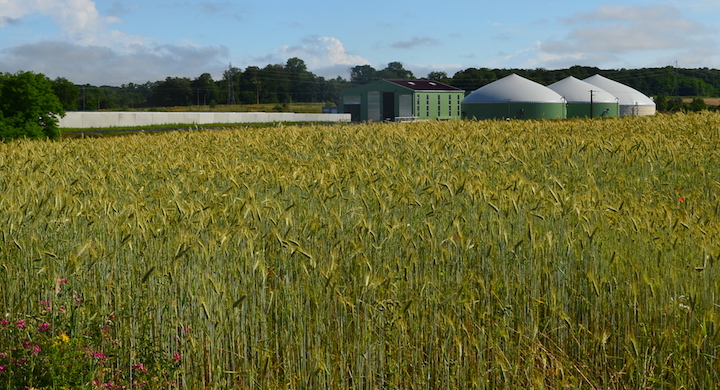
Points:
[84,120]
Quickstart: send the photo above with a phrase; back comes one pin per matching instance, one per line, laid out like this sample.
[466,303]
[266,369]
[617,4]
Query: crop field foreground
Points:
[426,255]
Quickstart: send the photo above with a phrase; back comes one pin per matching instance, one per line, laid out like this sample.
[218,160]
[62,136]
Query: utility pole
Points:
[257,90]
[591,104]
[230,82]
[676,92]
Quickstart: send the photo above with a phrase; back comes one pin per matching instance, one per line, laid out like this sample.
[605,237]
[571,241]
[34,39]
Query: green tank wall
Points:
[512,110]
[582,110]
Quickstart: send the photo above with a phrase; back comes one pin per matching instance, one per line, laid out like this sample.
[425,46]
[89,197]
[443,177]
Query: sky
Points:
[120,42]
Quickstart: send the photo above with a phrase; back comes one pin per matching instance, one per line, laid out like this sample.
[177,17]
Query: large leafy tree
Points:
[363,74]
[174,91]
[29,108]
[205,89]
[67,92]
[395,70]
[301,80]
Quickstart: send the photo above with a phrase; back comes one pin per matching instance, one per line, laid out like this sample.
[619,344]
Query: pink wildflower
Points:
[58,286]
[4,322]
[177,356]
[20,324]
[97,354]
[43,327]
[139,367]
[46,305]
[28,345]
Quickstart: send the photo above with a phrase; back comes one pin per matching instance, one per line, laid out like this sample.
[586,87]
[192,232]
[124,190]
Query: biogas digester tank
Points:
[513,97]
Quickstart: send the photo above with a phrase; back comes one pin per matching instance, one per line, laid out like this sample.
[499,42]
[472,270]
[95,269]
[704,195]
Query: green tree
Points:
[675,104]
[472,78]
[275,84]
[661,102]
[395,70]
[698,104]
[363,74]
[174,91]
[438,76]
[250,85]
[301,80]
[29,107]
[67,92]
[205,89]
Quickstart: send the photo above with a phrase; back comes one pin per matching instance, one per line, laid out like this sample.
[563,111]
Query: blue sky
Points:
[119,42]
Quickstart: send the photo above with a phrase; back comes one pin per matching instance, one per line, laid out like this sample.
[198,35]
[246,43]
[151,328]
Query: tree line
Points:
[292,82]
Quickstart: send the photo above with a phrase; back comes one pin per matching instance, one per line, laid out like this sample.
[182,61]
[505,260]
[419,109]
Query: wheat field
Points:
[426,255]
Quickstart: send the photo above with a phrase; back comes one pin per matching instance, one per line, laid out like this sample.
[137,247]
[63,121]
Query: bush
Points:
[29,107]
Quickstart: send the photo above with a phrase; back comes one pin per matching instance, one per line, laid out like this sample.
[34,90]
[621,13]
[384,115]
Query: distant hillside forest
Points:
[293,83]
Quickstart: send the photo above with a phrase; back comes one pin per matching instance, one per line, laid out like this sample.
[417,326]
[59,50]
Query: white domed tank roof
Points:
[515,89]
[578,91]
[632,101]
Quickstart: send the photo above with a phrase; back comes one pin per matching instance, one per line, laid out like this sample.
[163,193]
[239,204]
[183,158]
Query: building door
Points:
[388,106]
[354,111]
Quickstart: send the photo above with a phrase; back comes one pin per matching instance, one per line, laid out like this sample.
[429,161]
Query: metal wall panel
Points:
[405,109]
[374,106]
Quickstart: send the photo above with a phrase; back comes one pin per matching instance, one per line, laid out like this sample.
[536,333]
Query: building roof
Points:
[514,89]
[424,85]
[627,96]
[578,91]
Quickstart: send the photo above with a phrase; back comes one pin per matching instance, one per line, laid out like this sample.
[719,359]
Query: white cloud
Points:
[73,16]
[325,56]
[79,20]
[91,52]
[100,65]
[612,34]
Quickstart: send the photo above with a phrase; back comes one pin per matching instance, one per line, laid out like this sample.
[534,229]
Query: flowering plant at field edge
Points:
[43,350]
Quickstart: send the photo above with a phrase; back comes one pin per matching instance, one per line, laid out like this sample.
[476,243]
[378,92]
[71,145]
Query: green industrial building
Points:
[400,100]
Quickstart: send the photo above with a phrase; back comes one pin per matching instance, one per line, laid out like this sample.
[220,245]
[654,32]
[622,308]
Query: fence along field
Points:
[522,254]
